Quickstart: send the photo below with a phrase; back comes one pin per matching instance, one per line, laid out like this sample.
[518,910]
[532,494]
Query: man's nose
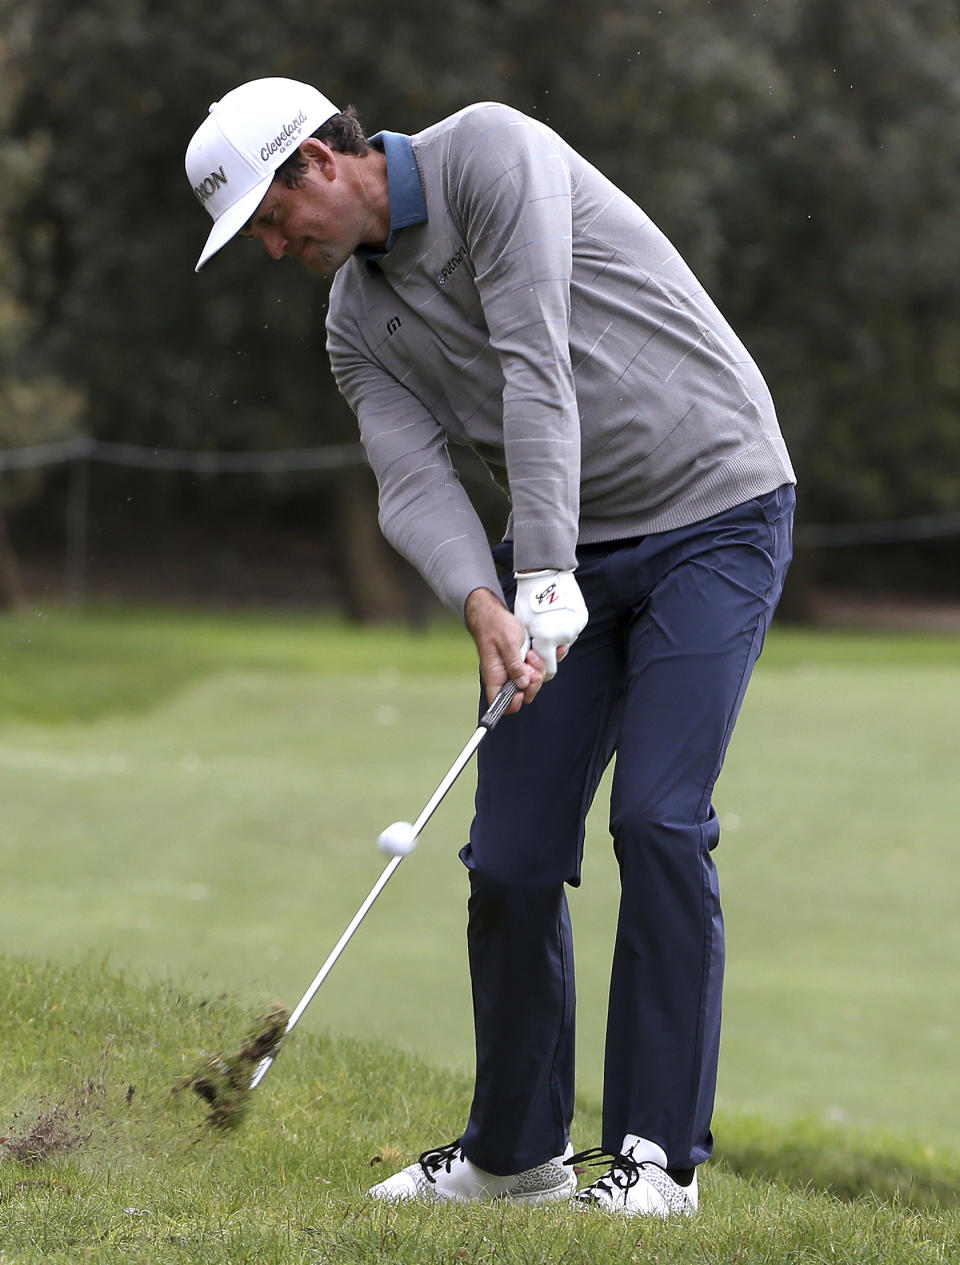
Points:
[274,243]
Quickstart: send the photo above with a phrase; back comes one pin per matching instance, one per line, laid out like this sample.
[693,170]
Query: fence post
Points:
[78,498]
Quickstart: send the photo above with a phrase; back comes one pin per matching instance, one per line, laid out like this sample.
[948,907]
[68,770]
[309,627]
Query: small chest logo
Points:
[451,266]
[393,324]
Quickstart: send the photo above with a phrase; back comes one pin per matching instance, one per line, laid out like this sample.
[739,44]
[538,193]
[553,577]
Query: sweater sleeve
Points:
[424,511]
[509,187]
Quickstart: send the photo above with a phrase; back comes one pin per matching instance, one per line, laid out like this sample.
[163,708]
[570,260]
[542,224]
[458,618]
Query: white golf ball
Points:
[397,840]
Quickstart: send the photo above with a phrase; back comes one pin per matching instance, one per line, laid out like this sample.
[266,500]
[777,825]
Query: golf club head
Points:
[262,1068]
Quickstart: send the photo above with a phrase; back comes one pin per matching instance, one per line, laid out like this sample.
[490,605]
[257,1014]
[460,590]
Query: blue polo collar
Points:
[407,203]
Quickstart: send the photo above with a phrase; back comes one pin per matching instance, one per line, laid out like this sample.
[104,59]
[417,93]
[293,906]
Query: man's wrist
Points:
[479,599]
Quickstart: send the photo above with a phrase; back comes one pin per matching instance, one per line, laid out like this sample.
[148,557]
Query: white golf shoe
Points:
[637,1183]
[445,1173]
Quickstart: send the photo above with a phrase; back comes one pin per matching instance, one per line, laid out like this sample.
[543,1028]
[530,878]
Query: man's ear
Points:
[320,155]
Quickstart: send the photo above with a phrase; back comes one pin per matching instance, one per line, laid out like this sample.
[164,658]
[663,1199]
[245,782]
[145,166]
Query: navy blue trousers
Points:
[657,677]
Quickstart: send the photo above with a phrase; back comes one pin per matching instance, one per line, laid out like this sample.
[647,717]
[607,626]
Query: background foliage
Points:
[805,157]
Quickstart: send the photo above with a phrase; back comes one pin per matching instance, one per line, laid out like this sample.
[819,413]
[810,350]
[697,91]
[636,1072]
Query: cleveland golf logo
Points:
[284,138]
[208,187]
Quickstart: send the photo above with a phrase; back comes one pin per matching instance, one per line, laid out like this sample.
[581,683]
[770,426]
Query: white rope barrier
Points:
[197,461]
[891,532]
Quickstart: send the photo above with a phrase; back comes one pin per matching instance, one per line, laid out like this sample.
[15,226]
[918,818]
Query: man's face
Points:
[320,222]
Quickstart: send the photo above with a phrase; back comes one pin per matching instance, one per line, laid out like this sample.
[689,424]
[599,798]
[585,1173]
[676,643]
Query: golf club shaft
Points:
[487,721]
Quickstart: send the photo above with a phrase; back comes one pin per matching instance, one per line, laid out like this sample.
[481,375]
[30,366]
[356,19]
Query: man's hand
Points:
[551,608]
[500,639]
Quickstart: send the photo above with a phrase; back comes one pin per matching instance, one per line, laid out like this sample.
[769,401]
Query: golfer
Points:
[494,289]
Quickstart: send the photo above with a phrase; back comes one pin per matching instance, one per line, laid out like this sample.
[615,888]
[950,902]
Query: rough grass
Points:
[121,1168]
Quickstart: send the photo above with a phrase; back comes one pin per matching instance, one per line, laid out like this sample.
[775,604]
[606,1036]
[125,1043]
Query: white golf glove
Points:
[551,608]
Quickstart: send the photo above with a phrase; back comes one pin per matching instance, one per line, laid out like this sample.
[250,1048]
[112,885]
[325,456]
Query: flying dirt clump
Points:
[223,1080]
[49,1134]
[57,1128]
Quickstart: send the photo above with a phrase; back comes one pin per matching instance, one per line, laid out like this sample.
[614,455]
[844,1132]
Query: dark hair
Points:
[342,133]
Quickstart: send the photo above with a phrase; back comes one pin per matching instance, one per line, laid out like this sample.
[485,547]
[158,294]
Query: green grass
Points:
[129,1171]
[61,666]
[195,798]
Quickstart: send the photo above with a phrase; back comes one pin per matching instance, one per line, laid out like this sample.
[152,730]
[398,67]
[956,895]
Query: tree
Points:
[107,241]
[35,405]
[852,252]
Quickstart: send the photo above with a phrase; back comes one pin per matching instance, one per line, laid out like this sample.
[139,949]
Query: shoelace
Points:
[624,1172]
[439,1157]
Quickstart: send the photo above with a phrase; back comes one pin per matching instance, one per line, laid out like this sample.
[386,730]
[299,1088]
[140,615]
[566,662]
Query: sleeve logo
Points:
[451,266]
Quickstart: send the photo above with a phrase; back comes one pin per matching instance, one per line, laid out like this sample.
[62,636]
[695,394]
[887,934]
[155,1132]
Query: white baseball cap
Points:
[243,140]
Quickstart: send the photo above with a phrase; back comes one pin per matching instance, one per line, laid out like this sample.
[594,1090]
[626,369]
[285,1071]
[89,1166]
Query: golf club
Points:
[488,720]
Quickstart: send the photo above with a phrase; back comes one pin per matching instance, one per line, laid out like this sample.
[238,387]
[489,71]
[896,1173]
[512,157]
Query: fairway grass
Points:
[197,798]
[102,1161]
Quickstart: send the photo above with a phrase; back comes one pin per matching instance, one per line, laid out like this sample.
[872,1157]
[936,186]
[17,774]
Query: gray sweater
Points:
[541,318]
